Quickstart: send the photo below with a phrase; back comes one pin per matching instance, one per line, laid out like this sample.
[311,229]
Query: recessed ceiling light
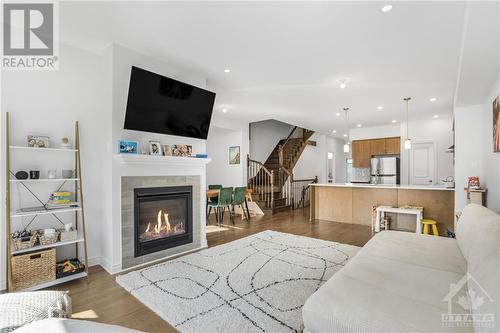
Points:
[224,110]
[380,107]
[359,125]
[433,99]
[343,85]
[334,131]
[345,135]
[435,116]
[338,114]
[386,8]
[227,70]
[394,121]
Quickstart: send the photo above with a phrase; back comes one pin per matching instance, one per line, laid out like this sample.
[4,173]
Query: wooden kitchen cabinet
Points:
[377,146]
[363,150]
[361,154]
[393,145]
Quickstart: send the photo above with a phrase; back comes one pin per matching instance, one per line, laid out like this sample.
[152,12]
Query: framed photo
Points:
[496,125]
[182,150]
[155,148]
[234,155]
[128,147]
[167,151]
[37,141]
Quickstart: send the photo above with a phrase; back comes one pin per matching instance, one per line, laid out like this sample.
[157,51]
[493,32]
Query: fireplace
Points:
[163,218]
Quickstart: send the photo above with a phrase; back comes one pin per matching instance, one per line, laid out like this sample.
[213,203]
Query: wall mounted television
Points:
[159,104]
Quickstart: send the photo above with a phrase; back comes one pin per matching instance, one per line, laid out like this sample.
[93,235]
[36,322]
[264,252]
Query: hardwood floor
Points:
[100,298]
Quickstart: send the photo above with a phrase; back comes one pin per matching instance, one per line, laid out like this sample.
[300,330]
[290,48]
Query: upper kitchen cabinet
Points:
[363,150]
[393,145]
[377,146]
[361,154]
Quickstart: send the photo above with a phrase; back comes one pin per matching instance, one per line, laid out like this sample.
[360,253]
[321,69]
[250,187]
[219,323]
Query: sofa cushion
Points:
[396,283]
[478,236]
[18,309]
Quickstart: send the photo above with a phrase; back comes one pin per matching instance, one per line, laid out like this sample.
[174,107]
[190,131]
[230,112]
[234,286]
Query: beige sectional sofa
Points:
[406,282]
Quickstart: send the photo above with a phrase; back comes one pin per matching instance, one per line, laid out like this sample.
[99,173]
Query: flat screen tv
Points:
[163,105]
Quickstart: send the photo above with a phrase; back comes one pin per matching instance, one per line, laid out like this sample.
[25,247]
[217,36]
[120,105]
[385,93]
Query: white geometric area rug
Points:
[255,284]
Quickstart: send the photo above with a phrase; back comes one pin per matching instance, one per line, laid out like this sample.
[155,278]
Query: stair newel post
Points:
[272,190]
[248,171]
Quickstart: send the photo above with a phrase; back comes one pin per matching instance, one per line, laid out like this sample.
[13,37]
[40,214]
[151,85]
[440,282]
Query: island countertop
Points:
[381,186]
[354,203]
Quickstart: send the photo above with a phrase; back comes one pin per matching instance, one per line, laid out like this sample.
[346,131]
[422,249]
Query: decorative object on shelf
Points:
[48,236]
[34,174]
[234,155]
[67,173]
[69,267]
[67,234]
[52,174]
[167,151]
[182,150]
[155,148]
[496,125]
[128,147]
[22,175]
[201,155]
[473,183]
[24,239]
[64,143]
[449,182]
[36,141]
[407,143]
[60,198]
[33,268]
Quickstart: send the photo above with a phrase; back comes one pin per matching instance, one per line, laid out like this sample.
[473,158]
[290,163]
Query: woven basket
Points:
[33,268]
[47,239]
[22,243]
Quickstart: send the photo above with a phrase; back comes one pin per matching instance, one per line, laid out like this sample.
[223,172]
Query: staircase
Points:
[272,181]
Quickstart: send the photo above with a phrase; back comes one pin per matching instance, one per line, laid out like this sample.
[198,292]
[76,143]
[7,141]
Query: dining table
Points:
[214,193]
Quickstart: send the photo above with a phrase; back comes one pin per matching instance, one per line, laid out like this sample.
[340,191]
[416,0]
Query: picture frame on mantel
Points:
[496,125]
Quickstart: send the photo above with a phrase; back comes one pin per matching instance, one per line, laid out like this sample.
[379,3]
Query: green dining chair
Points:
[239,199]
[212,200]
[224,202]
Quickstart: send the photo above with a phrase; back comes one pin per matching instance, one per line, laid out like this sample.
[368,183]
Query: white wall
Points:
[313,161]
[474,150]
[121,60]
[440,132]
[219,171]
[49,102]
[265,135]
[469,143]
[374,132]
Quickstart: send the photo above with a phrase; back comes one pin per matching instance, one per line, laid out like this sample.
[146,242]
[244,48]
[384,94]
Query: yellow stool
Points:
[427,223]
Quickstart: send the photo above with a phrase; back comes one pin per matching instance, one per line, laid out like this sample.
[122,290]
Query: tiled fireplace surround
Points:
[163,175]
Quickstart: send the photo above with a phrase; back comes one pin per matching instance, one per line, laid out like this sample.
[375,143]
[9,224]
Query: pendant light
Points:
[407,144]
[346,145]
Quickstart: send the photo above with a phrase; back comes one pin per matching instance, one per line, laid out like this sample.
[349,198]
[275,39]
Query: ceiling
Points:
[287,58]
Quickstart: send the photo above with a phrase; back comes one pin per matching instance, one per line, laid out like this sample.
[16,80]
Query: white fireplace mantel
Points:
[150,159]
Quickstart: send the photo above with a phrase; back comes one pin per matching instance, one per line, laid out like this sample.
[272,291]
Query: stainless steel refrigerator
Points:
[385,170]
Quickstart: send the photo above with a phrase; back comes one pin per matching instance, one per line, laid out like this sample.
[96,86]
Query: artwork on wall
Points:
[182,150]
[496,125]
[234,155]
[155,148]
[128,147]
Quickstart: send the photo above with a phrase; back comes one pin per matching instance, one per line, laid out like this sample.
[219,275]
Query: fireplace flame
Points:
[162,228]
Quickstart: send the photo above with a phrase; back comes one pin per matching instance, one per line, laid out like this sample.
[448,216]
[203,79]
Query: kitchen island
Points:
[352,203]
